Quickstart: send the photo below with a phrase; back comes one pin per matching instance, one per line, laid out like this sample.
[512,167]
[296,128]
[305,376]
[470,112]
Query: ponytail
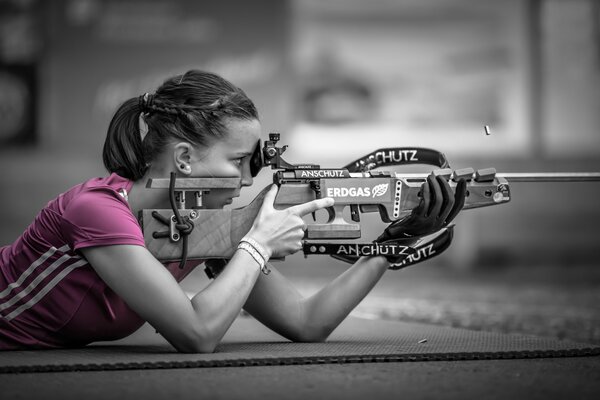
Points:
[123,151]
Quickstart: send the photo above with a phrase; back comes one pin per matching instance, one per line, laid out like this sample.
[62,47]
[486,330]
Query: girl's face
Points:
[228,157]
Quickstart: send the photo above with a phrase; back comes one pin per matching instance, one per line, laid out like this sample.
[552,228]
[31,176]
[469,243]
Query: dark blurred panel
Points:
[18,104]
[20,53]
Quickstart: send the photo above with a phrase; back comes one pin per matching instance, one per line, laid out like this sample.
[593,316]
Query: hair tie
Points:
[145,102]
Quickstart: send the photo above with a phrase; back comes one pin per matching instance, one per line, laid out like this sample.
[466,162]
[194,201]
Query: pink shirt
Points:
[49,295]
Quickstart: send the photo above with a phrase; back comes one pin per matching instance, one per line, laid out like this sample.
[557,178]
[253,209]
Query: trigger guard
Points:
[331,214]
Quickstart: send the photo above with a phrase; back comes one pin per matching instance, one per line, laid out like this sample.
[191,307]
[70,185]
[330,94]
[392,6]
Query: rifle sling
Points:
[421,249]
[391,156]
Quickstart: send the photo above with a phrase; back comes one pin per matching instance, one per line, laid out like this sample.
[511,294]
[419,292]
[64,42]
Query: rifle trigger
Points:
[354,213]
[314,215]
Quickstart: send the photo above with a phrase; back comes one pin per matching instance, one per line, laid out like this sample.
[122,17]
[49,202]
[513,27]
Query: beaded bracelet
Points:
[257,252]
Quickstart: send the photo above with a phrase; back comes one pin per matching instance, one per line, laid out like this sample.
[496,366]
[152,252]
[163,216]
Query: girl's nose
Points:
[247,179]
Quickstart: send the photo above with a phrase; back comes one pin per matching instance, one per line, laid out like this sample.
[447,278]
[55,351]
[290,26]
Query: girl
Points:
[80,272]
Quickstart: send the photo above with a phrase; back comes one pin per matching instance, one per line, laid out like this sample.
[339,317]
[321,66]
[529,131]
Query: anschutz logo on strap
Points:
[372,249]
[367,191]
[396,156]
[421,254]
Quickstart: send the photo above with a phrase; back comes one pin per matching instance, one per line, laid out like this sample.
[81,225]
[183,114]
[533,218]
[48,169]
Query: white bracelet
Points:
[263,252]
[258,257]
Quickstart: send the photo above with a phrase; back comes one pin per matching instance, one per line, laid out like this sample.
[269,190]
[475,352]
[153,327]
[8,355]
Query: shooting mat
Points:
[248,343]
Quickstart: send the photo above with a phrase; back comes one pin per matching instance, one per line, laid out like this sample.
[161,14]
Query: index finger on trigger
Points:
[312,206]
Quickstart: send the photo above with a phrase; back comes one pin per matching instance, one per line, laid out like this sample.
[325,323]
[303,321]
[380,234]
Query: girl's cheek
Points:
[228,171]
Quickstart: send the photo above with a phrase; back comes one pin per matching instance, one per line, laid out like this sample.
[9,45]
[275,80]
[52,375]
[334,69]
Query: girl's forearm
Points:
[220,303]
[327,308]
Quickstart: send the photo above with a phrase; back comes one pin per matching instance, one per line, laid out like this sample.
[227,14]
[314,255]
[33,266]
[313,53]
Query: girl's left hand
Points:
[438,207]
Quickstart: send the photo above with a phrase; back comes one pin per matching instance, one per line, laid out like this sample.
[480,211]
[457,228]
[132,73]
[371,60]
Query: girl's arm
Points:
[278,305]
[195,325]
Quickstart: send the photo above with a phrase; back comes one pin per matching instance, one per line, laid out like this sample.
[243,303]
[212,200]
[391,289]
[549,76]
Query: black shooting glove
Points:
[437,208]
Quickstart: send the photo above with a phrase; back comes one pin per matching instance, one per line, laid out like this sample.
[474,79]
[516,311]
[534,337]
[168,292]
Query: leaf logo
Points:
[380,190]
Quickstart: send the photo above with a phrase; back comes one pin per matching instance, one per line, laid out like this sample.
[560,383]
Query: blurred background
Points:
[338,79]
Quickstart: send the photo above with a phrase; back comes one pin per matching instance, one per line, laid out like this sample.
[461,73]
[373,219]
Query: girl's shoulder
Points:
[96,212]
[113,186]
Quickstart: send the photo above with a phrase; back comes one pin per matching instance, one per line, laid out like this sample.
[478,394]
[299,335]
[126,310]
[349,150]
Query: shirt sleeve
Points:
[100,218]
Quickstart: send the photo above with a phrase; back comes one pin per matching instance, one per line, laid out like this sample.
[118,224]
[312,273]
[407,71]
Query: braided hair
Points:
[192,107]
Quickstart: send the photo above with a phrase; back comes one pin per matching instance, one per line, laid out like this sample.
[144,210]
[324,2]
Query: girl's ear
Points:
[182,156]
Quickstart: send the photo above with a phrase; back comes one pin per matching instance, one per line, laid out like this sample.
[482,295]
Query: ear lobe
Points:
[182,156]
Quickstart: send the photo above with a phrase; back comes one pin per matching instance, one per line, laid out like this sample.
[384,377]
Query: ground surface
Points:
[567,378]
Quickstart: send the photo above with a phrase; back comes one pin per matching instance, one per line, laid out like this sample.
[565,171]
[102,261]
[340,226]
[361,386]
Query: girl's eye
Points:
[238,161]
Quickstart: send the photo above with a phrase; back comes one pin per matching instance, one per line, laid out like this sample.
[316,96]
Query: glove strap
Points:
[428,247]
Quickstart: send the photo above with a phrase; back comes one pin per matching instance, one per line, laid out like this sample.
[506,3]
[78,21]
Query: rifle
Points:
[190,231]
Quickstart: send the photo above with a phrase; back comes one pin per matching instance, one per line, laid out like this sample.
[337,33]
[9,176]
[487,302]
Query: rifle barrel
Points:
[528,176]
[550,176]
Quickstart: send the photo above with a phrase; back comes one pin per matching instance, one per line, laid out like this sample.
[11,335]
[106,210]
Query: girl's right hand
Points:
[281,231]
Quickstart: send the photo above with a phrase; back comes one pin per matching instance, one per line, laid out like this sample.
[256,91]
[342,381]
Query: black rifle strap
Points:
[398,156]
[421,249]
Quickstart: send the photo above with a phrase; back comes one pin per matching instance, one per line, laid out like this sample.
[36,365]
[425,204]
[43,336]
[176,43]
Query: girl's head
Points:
[196,124]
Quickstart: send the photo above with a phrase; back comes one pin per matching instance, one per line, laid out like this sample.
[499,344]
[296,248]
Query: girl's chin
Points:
[226,202]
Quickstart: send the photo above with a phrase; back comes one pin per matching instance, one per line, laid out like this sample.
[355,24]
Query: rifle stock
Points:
[216,232]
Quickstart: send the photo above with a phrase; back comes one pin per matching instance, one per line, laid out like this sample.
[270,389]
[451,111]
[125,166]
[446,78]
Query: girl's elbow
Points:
[312,339]
[197,341]
[312,335]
